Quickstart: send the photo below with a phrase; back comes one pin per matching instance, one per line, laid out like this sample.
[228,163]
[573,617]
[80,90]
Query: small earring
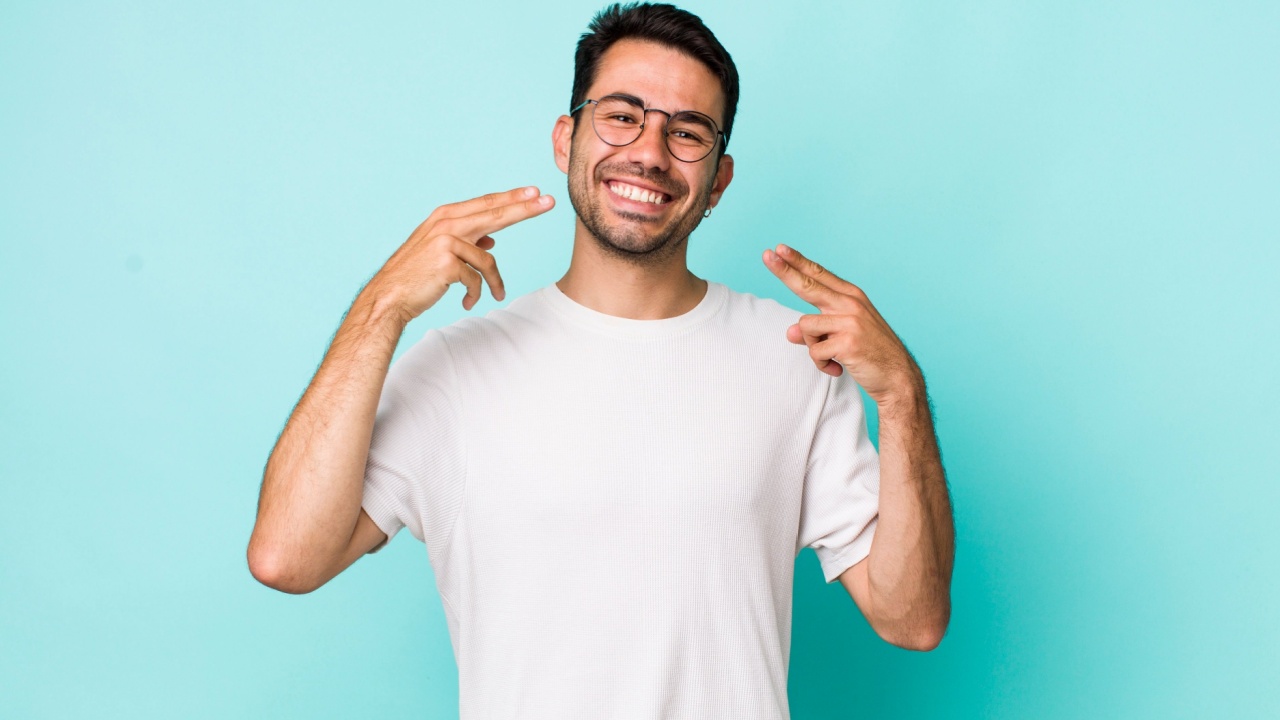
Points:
[707,214]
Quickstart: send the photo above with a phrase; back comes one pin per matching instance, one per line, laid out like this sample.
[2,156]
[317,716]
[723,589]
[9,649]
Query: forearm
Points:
[909,569]
[313,481]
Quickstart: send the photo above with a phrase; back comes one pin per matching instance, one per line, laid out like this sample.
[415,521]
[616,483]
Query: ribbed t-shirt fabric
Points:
[613,508]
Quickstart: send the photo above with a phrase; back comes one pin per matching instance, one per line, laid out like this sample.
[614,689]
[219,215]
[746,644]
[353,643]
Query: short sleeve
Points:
[416,469]
[841,500]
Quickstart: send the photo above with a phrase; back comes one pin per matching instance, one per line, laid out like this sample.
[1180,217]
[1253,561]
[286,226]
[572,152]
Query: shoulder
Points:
[757,327]
[473,348]
[752,315]
[755,347]
[521,314]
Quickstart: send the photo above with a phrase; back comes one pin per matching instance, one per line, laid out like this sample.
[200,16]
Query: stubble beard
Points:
[631,239]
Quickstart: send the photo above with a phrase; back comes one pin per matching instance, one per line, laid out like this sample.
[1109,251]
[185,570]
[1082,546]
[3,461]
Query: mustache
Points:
[660,180]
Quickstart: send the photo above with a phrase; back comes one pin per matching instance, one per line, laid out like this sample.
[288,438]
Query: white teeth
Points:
[632,192]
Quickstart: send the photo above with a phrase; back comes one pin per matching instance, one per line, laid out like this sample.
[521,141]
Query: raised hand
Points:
[848,333]
[451,246]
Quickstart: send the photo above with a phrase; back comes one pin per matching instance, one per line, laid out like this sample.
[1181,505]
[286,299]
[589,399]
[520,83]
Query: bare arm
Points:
[903,587]
[310,525]
[906,580]
[313,481]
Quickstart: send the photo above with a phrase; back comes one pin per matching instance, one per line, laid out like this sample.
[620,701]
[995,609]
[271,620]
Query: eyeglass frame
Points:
[644,113]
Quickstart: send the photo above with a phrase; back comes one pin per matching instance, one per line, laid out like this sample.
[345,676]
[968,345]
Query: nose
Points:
[650,149]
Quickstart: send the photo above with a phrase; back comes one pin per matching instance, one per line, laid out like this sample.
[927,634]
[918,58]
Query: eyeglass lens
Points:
[690,135]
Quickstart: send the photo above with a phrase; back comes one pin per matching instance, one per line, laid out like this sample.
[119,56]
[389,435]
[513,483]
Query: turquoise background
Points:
[1069,212]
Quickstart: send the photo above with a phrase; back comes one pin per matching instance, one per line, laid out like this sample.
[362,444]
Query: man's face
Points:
[630,227]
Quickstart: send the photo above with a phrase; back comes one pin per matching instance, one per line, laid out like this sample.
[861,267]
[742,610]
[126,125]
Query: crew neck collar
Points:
[582,315]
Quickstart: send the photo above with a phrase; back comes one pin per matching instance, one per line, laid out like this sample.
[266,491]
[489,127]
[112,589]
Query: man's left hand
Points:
[848,333]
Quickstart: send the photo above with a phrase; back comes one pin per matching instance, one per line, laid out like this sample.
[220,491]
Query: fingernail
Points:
[783,248]
[530,191]
[544,200]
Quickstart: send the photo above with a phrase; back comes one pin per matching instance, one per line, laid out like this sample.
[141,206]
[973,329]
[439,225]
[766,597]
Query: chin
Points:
[642,237]
[631,239]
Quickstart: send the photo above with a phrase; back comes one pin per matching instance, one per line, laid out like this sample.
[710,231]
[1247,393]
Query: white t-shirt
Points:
[613,507]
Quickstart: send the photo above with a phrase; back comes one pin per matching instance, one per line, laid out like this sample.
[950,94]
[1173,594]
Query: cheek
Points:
[577,166]
[583,164]
[703,185]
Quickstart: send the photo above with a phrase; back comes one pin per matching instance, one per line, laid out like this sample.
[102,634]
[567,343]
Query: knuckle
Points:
[496,213]
[425,226]
[449,267]
[491,199]
[432,245]
[441,244]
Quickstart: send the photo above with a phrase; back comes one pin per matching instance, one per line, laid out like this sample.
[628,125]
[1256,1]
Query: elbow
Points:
[922,637]
[934,631]
[919,642]
[925,643]
[267,569]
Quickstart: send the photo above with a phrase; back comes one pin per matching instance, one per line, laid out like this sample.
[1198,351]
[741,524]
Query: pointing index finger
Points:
[467,207]
[808,288]
[487,220]
[814,270]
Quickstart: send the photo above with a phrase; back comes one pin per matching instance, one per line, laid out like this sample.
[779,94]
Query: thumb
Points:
[795,335]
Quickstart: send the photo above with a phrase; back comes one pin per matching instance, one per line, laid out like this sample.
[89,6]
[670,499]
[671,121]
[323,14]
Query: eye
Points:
[622,118]
[687,135]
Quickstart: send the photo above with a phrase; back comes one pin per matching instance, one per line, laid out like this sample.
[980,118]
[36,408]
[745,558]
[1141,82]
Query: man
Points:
[613,475]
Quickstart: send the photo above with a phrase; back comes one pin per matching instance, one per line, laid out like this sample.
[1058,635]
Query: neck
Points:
[638,291]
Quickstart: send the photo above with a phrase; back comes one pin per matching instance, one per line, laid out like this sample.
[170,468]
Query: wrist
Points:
[908,399]
[379,308]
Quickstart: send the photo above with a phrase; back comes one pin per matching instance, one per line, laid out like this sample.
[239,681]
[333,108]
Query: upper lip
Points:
[640,184]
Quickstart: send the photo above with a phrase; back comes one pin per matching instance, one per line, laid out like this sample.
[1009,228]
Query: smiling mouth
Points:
[637,194]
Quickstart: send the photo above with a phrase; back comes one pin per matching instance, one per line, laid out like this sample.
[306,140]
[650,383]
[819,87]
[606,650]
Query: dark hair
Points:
[661,23]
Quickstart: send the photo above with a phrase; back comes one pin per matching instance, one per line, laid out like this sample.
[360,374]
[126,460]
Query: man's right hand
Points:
[310,524]
[451,246]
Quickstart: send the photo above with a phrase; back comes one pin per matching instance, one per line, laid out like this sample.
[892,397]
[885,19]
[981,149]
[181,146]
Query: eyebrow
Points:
[697,117]
[629,98]
[640,103]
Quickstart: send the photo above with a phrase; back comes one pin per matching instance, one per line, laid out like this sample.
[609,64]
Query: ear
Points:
[561,140]
[724,175]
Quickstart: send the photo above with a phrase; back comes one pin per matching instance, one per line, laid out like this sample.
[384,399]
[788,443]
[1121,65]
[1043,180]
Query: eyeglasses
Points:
[619,120]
